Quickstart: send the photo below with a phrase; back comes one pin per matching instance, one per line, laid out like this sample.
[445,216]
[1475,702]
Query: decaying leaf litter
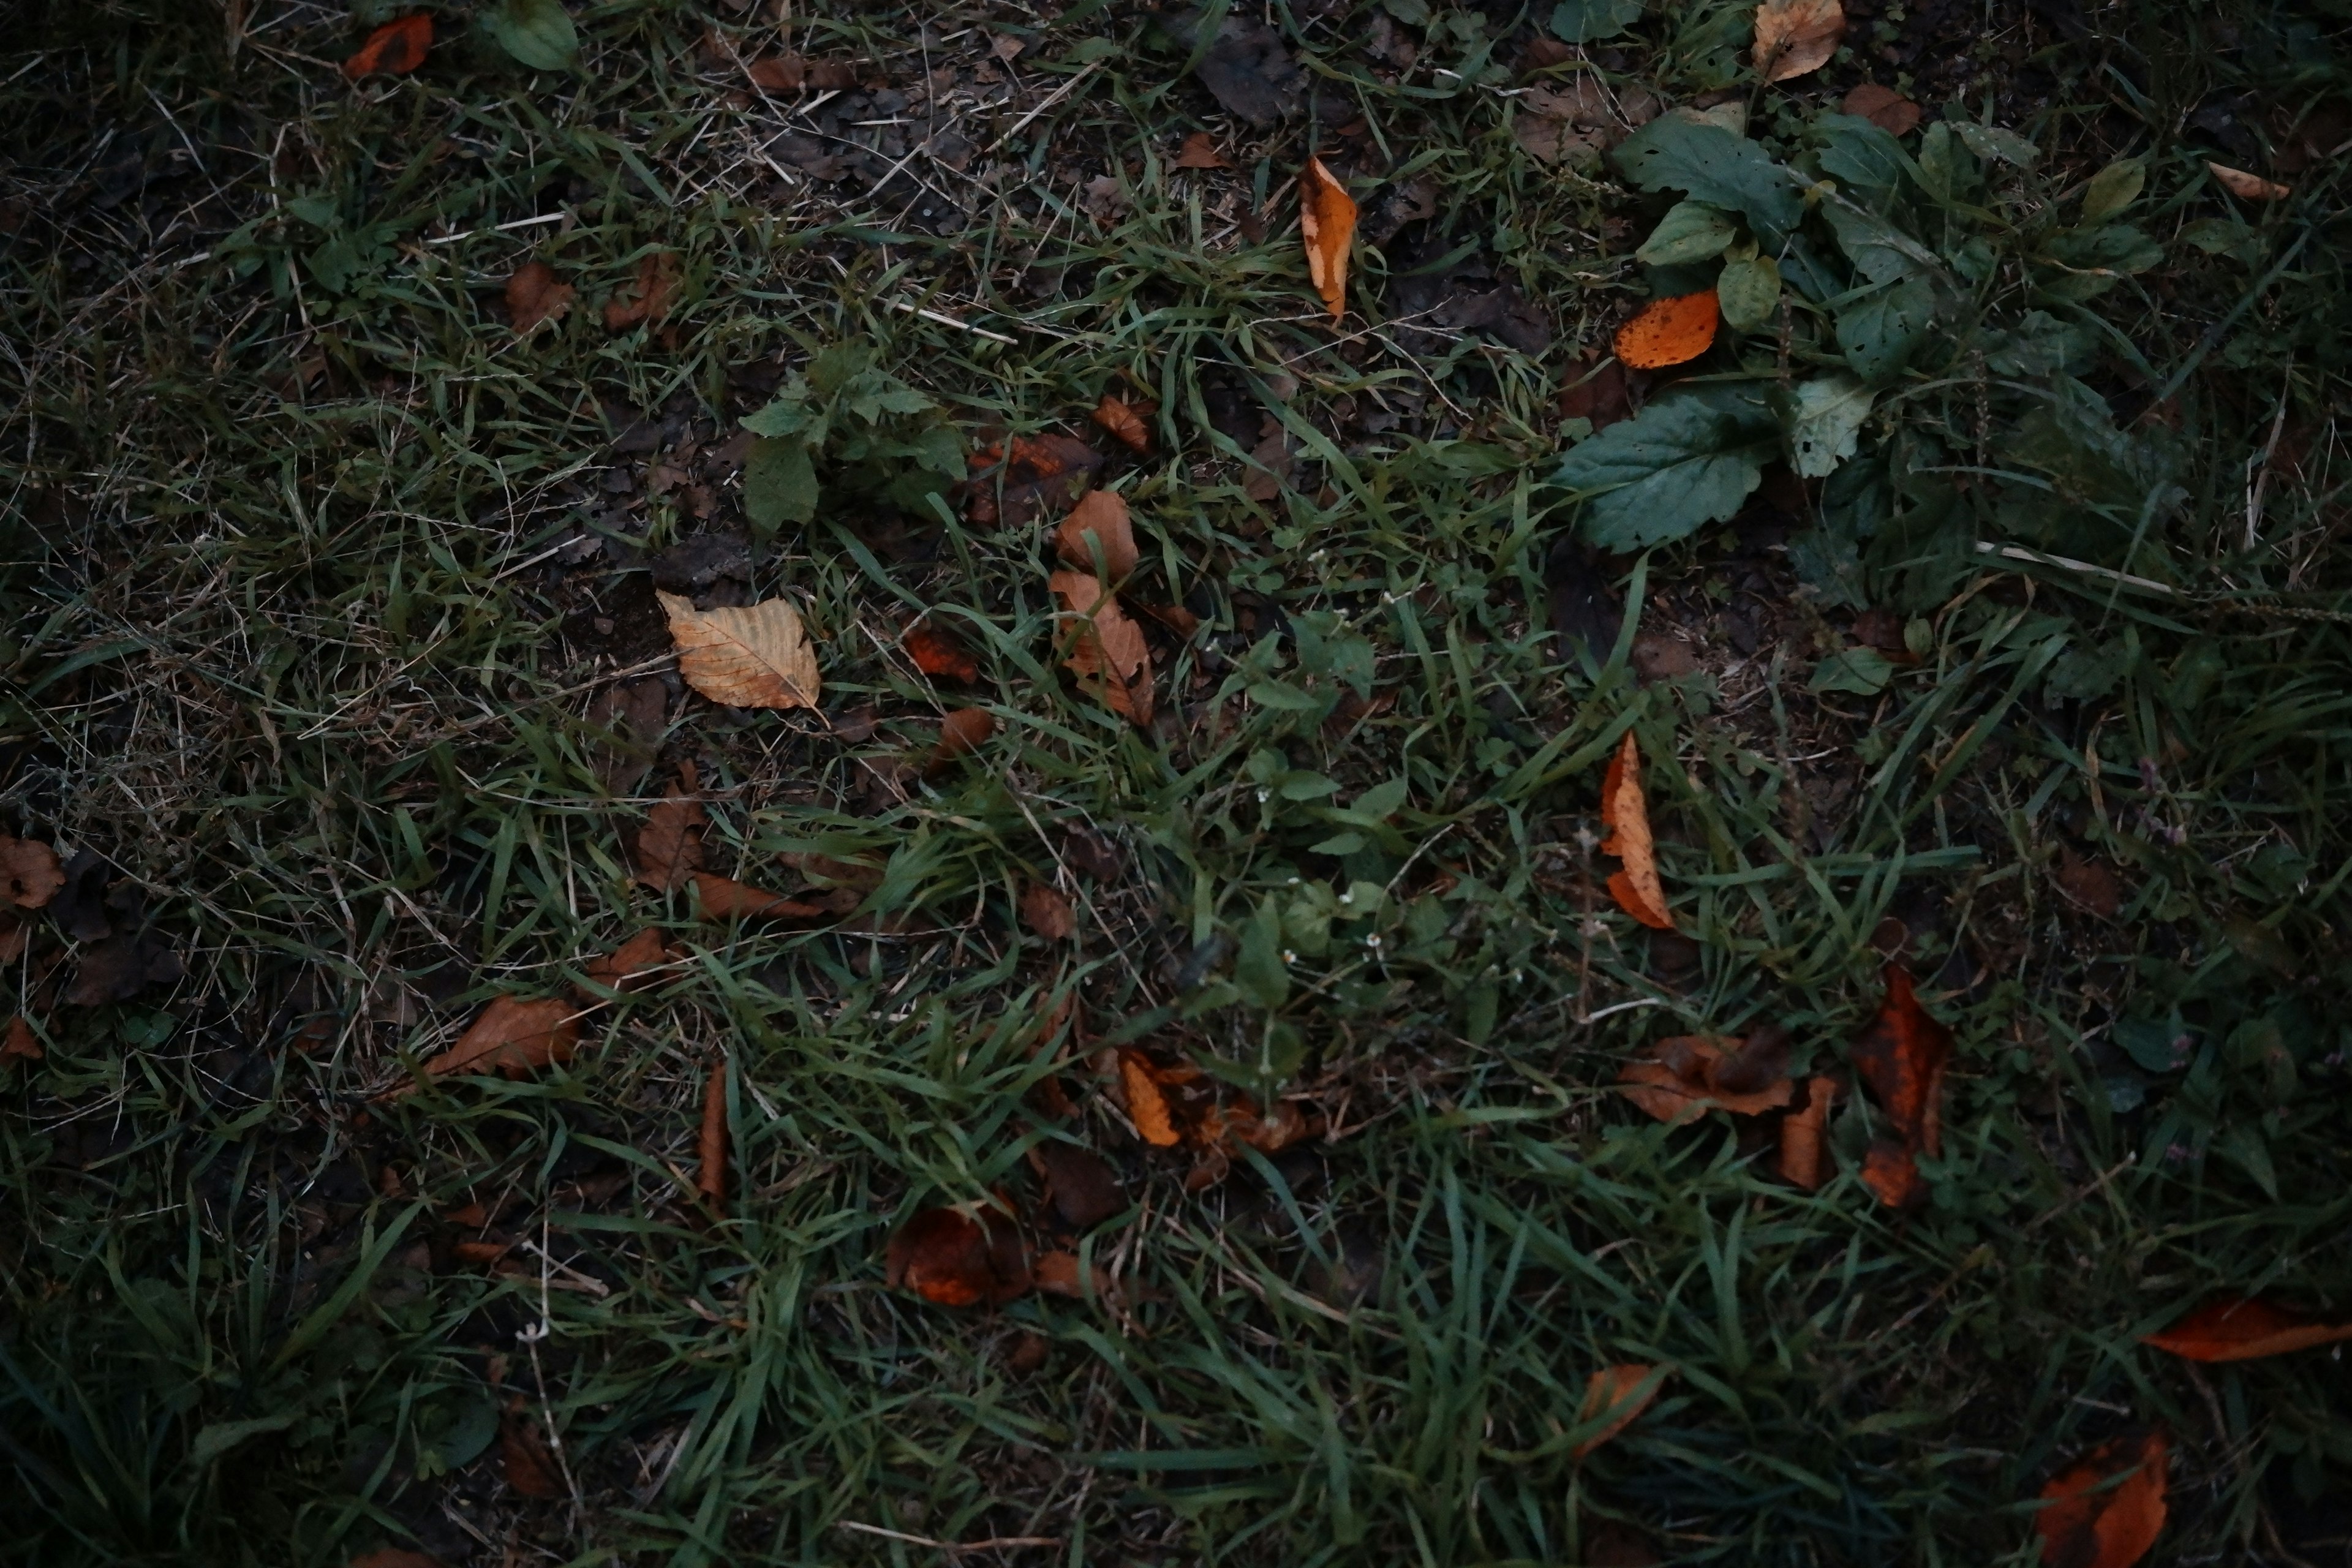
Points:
[1259,750]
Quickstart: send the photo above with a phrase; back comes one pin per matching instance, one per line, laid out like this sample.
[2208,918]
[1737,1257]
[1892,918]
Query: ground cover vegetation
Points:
[1327,781]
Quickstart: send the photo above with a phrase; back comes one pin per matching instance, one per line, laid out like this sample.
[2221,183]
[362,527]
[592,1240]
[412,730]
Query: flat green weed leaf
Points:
[2225,236]
[1748,293]
[779,483]
[2084,674]
[1675,152]
[1691,231]
[538,33]
[2093,260]
[2113,189]
[2158,1045]
[1583,21]
[1689,460]
[1882,252]
[1947,170]
[1829,567]
[1990,142]
[1412,13]
[1879,330]
[1825,423]
[1860,155]
[1864,671]
[1258,968]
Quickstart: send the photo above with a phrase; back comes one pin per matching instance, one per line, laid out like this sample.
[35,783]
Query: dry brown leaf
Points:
[647,298]
[630,966]
[1672,331]
[2249,187]
[2241,1329]
[1125,422]
[1805,1136]
[2089,883]
[1102,647]
[535,295]
[1793,37]
[530,1471]
[1615,1393]
[1883,107]
[710,1148]
[2089,1523]
[939,653]
[1327,218]
[1199,152]
[394,1557]
[19,1043]
[1080,1186]
[669,846]
[1679,1081]
[962,732]
[754,657]
[514,1035]
[1625,814]
[778,73]
[951,1258]
[393,50]
[29,873]
[1056,1274]
[723,899]
[1099,522]
[1046,912]
[1147,1102]
[1901,1055]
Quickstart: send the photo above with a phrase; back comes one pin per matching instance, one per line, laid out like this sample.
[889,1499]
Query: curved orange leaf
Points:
[1670,330]
[2243,1330]
[393,50]
[1625,814]
[1615,1393]
[1327,219]
[1147,1105]
[2087,1527]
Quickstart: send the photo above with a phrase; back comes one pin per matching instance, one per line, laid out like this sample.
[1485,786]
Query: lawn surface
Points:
[335,672]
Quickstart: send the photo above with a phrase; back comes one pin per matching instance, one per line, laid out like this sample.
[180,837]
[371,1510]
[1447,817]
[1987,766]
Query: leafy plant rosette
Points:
[870,434]
[1910,332]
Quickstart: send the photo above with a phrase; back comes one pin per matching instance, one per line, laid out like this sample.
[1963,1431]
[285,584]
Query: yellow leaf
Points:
[755,657]
[2249,187]
[1793,37]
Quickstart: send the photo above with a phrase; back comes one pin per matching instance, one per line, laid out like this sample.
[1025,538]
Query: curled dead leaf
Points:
[1102,647]
[669,846]
[1672,331]
[395,49]
[710,1146]
[1793,37]
[1080,1186]
[1883,107]
[514,1035]
[534,294]
[18,1043]
[2088,1522]
[531,1470]
[1099,524]
[631,965]
[1681,1081]
[1147,1102]
[723,899]
[1046,911]
[962,732]
[1125,422]
[30,874]
[1040,475]
[1057,1274]
[1616,1396]
[952,1259]
[1625,815]
[1327,219]
[2243,1330]
[1901,1055]
[750,657]
[1199,152]
[2249,187]
[939,653]
[1805,1136]
[778,73]
[647,297]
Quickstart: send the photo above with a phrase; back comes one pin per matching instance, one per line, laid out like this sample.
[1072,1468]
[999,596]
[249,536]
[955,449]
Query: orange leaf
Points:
[962,732]
[1617,1393]
[1327,218]
[1147,1103]
[29,873]
[939,653]
[1099,522]
[1102,646]
[625,967]
[1125,422]
[725,900]
[533,295]
[20,1044]
[394,1557]
[754,657]
[1199,152]
[2241,1329]
[1674,1084]
[1625,814]
[514,1035]
[1901,1055]
[710,1148]
[647,298]
[529,1472]
[778,73]
[393,50]
[951,1259]
[1057,1275]
[2084,1526]
[2249,187]
[1805,1136]
[1883,107]
[669,846]
[1670,330]
[1793,37]
[1046,912]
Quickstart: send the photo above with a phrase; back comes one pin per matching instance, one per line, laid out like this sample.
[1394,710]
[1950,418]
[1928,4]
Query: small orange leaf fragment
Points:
[627,967]
[1125,422]
[1672,330]
[2090,1524]
[1883,107]
[669,846]
[1805,1136]
[711,1147]
[939,653]
[514,1035]
[1327,219]
[1099,522]
[1625,814]
[962,732]
[393,50]
[723,899]
[1615,1393]
[646,299]
[535,295]
[2249,187]
[951,1259]
[529,1470]
[1147,1103]
[29,873]
[1046,912]
[1793,37]
[1102,646]
[19,1044]
[1199,152]
[1901,1054]
[2243,1329]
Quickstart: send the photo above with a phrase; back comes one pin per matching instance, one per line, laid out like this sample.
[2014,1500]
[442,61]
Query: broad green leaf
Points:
[2113,189]
[1864,671]
[1691,231]
[538,33]
[1674,153]
[2093,260]
[1825,425]
[1689,459]
[1258,968]
[2221,235]
[1879,330]
[2158,1045]
[1748,293]
[1992,141]
[1583,21]
[779,483]
[222,1436]
[1413,13]
[1881,251]
[1829,566]
[1858,154]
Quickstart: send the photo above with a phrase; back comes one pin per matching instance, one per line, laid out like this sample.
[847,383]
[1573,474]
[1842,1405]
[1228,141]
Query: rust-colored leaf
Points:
[951,1258]
[1681,1081]
[1080,1186]
[647,297]
[30,875]
[1040,475]
[1672,330]
[1199,152]
[778,73]
[531,1470]
[1901,1055]
[1057,1275]
[939,653]
[1805,1136]
[2249,187]
[1617,1395]
[393,50]
[1124,421]
[2241,1329]
[711,1147]
[534,294]
[515,1035]
[1793,37]
[1147,1102]
[723,899]
[19,1043]
[1099,522]
[2089,883]
[1046,911]
[1327,219]
[1883,107]
[2090,1523]
[631,965]
[669,846]
[962,732]
[1625,814]
[756,656]
[1102,647]
[394,1557]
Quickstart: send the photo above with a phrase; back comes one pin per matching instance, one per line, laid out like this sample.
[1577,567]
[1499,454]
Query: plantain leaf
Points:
[1689,459]
[538,33]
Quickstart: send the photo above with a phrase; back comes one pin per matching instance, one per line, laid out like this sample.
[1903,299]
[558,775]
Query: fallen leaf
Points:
[1550,138]
[1030,1353]
[1244,67]
[1046,912]
[1901,1054]
[1080,1186]
[1672,331]
[648,297]
[1617,1394]
[1883,107]
[1125,422]
[1239,1124]
[14,939]
[393,50]
[669,846]
[1805,1136]
[1595,390]
[1056,1273]
[1040,475]
[710,1148]
[2089,883]
[1793,37]
[627,720]
[1327,219]
[1681,1081]
[119,967]
[951,1259]
[531,1470]
[2088,1524]
[1199,152]
[1105,197]
[2240,1329]
[778,73]
[752,658]
[20,1043]
[962,732]
[534,295]
[394,1557]
[939,653]
[1099,522]
[514,1035]
[722,899]
[1102,646]
[627,967]
[1092,852]
[29,873]
[1147,1102]
[2249,187]
[1625,815]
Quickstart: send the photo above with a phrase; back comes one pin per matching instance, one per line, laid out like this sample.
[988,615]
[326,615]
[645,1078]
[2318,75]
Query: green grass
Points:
[304,639]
